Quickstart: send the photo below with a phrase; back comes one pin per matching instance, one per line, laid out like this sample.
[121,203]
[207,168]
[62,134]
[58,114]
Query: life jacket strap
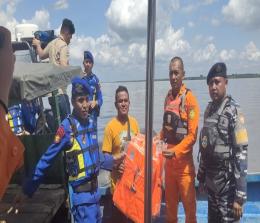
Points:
[74,127]
[91,148]
[88,186]
[91,168]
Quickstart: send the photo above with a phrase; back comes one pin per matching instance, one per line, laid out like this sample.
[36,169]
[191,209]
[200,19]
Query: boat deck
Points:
[49,198]
[251,213]
[41,208]
[251,209]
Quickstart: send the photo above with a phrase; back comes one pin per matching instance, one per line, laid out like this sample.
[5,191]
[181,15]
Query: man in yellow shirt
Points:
[117,132]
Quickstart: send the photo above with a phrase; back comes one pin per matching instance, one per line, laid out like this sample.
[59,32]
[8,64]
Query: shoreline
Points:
[201,77]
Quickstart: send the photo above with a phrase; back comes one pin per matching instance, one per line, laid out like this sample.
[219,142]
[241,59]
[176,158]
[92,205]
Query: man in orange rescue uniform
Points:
[180,125]
[11,149]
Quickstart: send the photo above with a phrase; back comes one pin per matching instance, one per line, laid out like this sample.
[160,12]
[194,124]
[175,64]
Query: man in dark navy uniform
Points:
[223,147]
[92,80]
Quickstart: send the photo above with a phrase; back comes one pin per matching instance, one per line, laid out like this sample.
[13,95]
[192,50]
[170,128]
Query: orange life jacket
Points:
[129,191]
[11,153]
[175,128]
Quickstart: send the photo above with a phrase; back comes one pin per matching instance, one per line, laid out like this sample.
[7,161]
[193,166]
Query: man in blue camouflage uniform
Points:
[77,138]
[223,147]
[93,82]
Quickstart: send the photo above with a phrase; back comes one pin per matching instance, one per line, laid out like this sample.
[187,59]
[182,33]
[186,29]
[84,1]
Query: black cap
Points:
[217,70]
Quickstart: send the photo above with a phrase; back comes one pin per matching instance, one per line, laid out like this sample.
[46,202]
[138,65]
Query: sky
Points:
[115,31]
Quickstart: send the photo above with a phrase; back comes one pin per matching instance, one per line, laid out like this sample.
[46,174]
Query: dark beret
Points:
[80,87]
[217,70]
[88,56]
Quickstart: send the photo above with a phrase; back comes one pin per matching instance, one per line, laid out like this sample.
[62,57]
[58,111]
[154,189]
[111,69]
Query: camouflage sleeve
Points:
[240,142]
[202,167]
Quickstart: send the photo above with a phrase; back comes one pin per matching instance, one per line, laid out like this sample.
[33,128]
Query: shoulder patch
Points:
[59,134]
[192,114]
[241,137]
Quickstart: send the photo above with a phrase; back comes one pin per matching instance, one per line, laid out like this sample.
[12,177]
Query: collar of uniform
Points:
[82,122]
[182,90]
[61,37]
[87,75]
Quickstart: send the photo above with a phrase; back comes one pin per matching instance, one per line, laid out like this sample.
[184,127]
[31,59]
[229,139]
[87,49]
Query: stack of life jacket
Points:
[129,191]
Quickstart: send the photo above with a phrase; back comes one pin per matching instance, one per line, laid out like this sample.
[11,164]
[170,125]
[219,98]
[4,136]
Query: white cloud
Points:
[189,8]
[7,19]
[226,55]
[168,5]
[128,18]
[102,49]
[41,18]
[120,47]
[251,53]
[171,42]
[200,39]
[7,10]
[61,4]
[215,22]
[191,24]
[243,12]
[137,51]
[208,2]
[208,53]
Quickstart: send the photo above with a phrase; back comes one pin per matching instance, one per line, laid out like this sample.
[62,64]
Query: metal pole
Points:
[149,109]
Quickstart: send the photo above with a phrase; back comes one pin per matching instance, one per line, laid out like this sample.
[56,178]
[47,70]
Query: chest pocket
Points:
[208,138]
[223,127]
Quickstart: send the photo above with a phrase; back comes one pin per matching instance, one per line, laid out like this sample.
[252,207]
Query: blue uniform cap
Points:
[88,56]
[80,87]
[217,70]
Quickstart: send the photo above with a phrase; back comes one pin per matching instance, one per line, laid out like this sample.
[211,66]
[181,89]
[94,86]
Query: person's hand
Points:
[119,164]
[237,210]
[118,159]
[202,188]
[121,168]
[93,104]
[157,137]
[24,132]
[36,42]
[168,153]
